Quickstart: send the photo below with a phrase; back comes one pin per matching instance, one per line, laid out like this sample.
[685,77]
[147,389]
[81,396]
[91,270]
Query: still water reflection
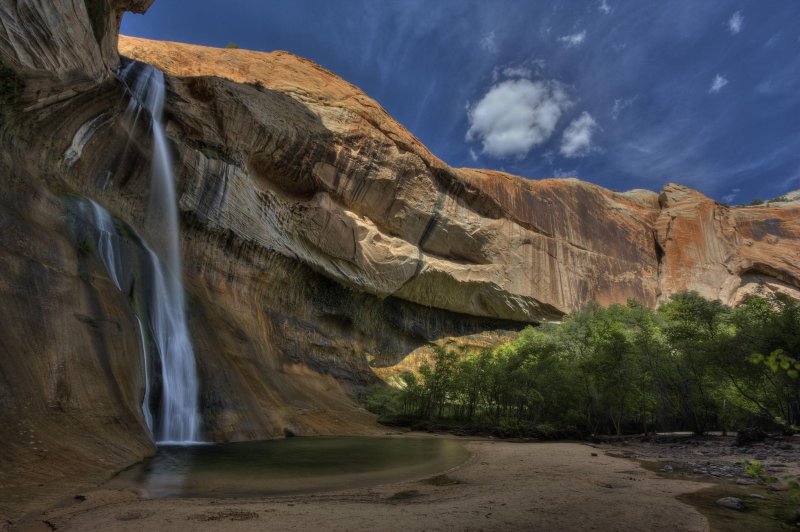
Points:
[292,465]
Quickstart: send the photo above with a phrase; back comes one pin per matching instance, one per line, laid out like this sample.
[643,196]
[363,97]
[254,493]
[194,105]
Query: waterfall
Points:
[148,416]
[178,414]
[107,243]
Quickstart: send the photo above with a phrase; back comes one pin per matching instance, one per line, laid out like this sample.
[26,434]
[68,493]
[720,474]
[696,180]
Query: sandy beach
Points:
[503,486]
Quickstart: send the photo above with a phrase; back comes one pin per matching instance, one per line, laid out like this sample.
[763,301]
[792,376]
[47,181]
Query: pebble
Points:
[756,496]
[667,469]
[733,503]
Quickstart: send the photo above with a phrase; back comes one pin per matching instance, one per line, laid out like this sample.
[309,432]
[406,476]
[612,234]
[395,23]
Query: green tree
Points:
[763,361]
[695,328]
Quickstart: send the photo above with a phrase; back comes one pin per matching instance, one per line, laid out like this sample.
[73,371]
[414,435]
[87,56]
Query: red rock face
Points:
[725,253]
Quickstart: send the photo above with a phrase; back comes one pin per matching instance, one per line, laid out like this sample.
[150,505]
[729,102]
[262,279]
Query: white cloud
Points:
[577,139]
[473,155]
[489,43]
[574,40]
[620,104]
[604,7]
[516,115]
[735,22]
[718,83]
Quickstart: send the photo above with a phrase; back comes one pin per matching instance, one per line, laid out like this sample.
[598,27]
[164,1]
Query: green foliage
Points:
[757,202]
[779,199]
[232,45]
[693,364]
[756,469]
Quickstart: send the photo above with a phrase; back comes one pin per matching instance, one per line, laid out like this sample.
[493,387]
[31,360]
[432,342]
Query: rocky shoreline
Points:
[716,457]
[750,485]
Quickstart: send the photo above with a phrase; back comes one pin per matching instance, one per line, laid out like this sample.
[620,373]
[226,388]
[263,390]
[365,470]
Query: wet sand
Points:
[503,486]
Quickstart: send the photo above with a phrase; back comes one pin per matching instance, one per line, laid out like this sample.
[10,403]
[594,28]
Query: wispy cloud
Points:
[577,139]
[728,198]
[489,43]
[772,41]
[620,104]
[473,155]
[735,22]
[718,83]
[526,69]
[516,115]
[517,72]
[604,7]
[573,40]
[560,172]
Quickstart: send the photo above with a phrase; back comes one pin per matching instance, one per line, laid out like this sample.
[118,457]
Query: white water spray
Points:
[178,415]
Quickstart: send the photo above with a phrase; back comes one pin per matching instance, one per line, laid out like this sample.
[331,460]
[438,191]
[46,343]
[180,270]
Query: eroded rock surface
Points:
[726,253]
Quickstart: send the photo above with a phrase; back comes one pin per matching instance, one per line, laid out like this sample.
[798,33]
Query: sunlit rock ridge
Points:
[321,241]
[355,195]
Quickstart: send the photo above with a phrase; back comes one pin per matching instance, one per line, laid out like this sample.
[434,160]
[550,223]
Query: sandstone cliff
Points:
[321,242]
[389,218]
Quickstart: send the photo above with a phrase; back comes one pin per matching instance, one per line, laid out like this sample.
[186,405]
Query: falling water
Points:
[107,244]
[107,240]
[148,416]
[178,415]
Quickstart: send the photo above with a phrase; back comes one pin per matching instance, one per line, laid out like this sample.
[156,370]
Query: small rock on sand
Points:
[733,503]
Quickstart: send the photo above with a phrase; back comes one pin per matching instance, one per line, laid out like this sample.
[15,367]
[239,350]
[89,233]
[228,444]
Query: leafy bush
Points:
[692,365]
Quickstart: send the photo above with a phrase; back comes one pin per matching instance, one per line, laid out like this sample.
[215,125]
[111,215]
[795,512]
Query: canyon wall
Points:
[322,243]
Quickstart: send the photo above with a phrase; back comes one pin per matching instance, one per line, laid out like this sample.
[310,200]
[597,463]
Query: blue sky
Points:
[623,93]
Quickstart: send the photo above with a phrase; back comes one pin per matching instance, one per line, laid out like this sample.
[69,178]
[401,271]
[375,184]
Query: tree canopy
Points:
[693,364]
